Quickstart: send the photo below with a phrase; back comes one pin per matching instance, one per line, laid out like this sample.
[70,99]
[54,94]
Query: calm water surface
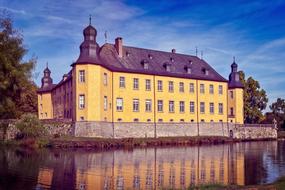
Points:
[150,168]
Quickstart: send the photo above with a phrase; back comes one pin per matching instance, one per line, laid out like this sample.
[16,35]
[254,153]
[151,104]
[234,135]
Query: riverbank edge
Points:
[110,143]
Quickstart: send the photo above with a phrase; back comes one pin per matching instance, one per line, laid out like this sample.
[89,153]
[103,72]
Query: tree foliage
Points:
[30,126]
[278,111]
[17,90]
[255,100]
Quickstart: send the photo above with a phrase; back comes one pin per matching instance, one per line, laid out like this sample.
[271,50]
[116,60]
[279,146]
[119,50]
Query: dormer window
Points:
[205,71]
[149,56]
[127,54]
[188,69]
[171,59]
[167,66]
[145,64]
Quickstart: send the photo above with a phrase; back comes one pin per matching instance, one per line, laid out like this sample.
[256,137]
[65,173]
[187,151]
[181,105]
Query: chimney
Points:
[173,50]
[119,46]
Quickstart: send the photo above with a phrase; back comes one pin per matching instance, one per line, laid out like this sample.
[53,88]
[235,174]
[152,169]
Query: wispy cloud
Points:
[253,31]
[13,10]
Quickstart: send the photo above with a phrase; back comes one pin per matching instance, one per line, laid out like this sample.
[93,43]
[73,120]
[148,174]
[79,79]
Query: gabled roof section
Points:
[133,57]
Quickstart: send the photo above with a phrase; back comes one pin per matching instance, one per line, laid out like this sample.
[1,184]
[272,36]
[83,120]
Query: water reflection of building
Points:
[45,177]
[160,168]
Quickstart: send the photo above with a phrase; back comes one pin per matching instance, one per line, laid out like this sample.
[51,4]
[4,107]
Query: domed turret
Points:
[46,80]
[89,31]
[89,47]
[234,81]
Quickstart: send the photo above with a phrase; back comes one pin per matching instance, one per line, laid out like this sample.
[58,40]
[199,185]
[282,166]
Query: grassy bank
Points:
[277,185]
[103,143]
[110,143]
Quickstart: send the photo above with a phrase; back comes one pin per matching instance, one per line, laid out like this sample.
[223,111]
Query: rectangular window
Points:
[191,87]
[211,89]
[122,82]
[212,107]
[105,80]
[170,86]
[202,88]
[81,76]
[221,108]
[136,83]
[182,106]
[119,104]
[232,94]
[181,87]
[147,84]
[202,107]
[160,105]
[81,101]
[159,85]
[220,89]
[135,105]
[148,105]
[192,107]
[231,111]
[171,106]
[105,103]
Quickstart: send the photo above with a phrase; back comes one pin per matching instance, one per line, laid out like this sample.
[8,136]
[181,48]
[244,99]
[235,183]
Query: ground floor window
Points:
[81,101]
[135,105]
[119,104]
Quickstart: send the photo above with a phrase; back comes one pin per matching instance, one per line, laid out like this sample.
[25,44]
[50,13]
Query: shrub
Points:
[30,127]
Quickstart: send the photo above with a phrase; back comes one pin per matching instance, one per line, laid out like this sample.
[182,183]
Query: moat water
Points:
[247,163]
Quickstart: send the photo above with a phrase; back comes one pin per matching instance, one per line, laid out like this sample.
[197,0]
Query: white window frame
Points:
[160,105]
[181,86]
[191,88]
[147,84]
[221,108]
[119,104]
[105,103]
[192,107]
[81,76]
[81,100]
[202,89]
[136,105]
[211,89]
[159,85]
[171,107]
[221,89]
[148,105]
[136,84]
[170,86]
[122,83]
[211,107]
[181,106]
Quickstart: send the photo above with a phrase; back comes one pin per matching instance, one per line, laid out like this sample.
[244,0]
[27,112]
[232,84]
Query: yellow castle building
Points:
[114,83]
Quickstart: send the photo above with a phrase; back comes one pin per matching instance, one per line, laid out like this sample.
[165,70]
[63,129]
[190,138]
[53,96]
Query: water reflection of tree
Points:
[19,168]
[255,165]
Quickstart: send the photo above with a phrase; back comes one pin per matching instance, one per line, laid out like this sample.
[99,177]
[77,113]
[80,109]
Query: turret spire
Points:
[234,81]
[90,17]
[46,80]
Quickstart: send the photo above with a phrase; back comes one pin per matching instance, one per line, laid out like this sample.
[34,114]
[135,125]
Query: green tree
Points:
[17,91]
[255,100]
[278,111]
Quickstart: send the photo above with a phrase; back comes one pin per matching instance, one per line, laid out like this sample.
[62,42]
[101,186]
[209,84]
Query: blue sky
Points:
[253,31]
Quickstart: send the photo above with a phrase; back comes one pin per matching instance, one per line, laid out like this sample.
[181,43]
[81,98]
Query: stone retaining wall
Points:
[143,130]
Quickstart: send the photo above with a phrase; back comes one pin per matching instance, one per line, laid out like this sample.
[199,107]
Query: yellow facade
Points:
[101,89]
[45,105]
[235,108]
